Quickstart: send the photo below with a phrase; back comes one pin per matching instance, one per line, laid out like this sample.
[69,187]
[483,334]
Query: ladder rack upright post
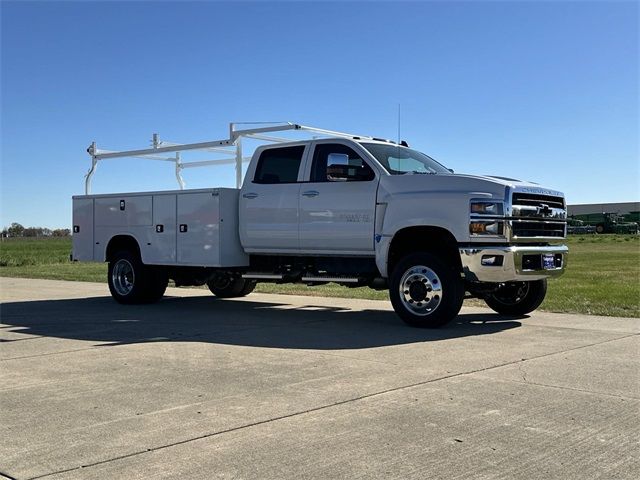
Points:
[220,146]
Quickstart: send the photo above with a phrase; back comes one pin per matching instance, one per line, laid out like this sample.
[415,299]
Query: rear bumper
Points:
[513,263]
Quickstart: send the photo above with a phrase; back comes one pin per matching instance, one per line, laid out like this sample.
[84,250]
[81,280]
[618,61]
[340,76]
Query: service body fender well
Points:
[427,201]
[120,239]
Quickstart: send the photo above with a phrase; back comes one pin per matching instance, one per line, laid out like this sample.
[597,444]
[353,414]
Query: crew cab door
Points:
[269,200]
[337,203]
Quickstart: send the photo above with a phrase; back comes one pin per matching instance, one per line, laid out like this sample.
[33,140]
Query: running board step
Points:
[279,276]
[331,279]
[263,276]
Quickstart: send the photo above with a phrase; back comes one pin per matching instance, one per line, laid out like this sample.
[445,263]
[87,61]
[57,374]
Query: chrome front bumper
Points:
[518,263]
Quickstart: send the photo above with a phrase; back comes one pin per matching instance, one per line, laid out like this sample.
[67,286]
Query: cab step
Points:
[321,278]
[262,276]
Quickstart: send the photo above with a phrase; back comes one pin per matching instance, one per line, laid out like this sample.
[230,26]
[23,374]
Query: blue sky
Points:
[543,91]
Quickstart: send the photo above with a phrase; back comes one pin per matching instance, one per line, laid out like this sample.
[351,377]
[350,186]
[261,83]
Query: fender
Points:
[415,209]
[124,238]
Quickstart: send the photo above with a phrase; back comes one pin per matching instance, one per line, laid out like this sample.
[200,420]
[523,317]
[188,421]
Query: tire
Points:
[158,281]
[600,228]
[230,287]
[425,292]
[131,281]
[517,298]
[249,286]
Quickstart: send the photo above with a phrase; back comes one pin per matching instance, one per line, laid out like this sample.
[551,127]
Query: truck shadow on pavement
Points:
[232,322]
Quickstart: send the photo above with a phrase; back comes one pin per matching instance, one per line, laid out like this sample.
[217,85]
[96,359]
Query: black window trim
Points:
[353,145]
[301,168]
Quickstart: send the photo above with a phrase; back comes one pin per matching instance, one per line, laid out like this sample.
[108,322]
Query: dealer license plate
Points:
[548,261]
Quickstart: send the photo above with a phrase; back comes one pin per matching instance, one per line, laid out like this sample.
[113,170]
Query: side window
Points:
[279,165]
[334,162]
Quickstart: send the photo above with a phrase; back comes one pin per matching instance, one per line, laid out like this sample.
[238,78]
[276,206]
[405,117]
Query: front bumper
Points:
[519,263]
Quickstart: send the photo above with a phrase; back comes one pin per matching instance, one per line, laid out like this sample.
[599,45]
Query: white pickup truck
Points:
[349,209]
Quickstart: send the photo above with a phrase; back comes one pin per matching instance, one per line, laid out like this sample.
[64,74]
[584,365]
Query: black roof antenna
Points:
[398,124]
[402,143]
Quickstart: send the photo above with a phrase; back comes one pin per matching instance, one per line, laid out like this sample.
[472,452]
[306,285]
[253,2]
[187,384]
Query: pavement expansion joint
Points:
[4,476]
[323,407]
[572,389]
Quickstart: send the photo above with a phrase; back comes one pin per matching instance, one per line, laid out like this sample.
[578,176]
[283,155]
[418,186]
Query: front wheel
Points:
[425,292]
[517,298]
[230,287]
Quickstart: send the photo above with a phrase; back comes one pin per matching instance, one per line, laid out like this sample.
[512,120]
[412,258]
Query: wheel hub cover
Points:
[420,290]
[123,277]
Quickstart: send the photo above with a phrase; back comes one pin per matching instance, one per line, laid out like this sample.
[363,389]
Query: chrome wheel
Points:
[420,290]
[122,277]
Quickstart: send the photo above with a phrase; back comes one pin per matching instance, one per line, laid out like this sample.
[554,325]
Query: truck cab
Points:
[359,211]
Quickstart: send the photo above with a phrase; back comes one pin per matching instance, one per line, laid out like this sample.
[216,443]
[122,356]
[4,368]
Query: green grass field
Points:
[602,278]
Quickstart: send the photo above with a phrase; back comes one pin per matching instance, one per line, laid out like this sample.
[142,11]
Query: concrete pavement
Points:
[273,386]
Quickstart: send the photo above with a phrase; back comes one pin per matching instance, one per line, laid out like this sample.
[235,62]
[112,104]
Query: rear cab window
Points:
[279,165]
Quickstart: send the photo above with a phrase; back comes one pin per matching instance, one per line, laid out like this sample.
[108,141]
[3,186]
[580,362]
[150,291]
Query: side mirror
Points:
[340,168]
[451,170]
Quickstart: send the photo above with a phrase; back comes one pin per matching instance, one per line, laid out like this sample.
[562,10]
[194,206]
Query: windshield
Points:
[399,160]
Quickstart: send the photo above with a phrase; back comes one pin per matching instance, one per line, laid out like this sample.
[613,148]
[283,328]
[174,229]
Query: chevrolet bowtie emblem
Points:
[544,210]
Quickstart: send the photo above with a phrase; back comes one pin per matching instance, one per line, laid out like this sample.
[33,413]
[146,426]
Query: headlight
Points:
[487,208]
[486,227]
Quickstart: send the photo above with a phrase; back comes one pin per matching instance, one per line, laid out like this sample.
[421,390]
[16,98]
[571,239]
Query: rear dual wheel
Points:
[131,281]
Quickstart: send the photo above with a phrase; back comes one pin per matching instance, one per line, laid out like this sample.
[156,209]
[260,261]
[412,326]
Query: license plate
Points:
[548,261]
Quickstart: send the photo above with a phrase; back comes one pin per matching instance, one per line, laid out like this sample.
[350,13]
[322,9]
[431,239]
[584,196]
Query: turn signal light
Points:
[486,228]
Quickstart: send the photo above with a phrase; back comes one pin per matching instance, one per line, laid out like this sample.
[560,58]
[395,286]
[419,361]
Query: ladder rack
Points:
[230,147]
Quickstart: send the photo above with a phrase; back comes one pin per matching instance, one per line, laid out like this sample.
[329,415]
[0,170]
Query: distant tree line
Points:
[17,230]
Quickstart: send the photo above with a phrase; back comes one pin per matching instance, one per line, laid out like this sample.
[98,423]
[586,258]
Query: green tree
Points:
[15,230]
[61,232]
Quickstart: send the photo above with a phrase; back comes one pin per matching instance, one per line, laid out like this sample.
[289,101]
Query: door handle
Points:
[250,195]
[311,193]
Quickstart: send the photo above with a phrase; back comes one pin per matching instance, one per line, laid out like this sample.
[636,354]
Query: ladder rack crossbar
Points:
[204,163]
[231,146]
[170,148]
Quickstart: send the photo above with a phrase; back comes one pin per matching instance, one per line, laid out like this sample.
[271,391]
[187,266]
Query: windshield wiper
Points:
[415,172]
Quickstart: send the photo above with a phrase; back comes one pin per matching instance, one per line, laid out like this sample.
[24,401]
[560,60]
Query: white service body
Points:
[182,227]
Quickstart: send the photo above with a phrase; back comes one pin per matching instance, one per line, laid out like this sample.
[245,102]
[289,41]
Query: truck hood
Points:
[514,184]
[477,186]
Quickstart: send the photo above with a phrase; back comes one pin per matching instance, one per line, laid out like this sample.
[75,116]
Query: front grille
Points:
[537,216]
[538,229]
[535,200]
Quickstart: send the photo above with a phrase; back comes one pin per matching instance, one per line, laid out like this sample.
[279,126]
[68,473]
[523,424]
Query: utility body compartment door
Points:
[198,229]
[82,239]
[161,248]
[125,214]
[207,229]
[123,211]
